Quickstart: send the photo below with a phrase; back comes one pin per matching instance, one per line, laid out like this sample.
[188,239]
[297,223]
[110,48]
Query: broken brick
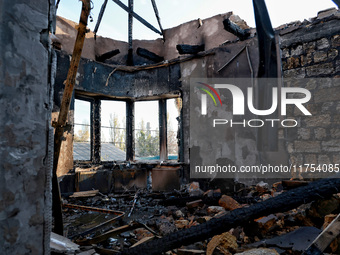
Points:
[267,223]
[215,209]
[181,224]
[179,214]
[194,204]
[226,242]
[142,233]
[229,203]
[194,189]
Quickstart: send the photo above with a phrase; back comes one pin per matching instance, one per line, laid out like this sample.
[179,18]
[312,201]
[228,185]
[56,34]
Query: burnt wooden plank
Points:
[136,16]
[130,130]
[233,28]
[129,61]
[107,55]
[100,16]
[163,154]
[64,109]
[239,217]
[189,49]
[149,55]
[157,15]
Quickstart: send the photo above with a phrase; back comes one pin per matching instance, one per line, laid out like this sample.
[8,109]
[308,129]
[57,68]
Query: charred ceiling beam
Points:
[189,49]
[149,55]
[95,129]
[136,16]
[97,79]
[267,137]
[100,16]
[337,2]
[240,217]
[163,143]
[130,130]
[233,28]
[107,55]
[57,5]
[157,16]
[130,51]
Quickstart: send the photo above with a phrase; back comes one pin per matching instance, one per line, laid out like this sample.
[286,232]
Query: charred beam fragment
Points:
[284,202]
[100,16]
[157,16]
[130,51]
[95,129]
[64,109]
[325,238]
[107,55]
[233,28]
[130,130]
[337,2]
[267,138]
[189,49]
[163,154]
[136,16]
[149,55]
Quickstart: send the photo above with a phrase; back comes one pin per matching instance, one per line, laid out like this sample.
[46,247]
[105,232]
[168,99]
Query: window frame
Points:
[90,100]
[95,129]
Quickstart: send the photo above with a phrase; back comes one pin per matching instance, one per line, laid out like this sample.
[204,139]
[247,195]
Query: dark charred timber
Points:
[129,61]
[286,201]
[189,49]
[181,201]
[267,138]
[337,2]
[130,41]
[233,28]
[130,130]
[157,16]
[149,55]
[63,113]
[136,16]
[95,129]
[107,55]
[163,141]
[100,16]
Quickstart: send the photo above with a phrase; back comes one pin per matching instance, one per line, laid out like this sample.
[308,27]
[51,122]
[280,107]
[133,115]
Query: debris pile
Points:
[91,221]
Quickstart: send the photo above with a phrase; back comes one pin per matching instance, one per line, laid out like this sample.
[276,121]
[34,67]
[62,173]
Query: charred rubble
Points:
[61,193]
[276,219]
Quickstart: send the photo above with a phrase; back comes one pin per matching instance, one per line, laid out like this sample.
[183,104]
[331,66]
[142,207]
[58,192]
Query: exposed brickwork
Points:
[317,138]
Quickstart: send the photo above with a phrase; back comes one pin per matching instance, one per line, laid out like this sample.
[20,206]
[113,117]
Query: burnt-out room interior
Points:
[215,138]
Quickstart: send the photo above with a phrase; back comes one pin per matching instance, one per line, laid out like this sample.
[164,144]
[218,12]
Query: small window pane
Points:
[82,120]
[173,112]
[113,130]
[146,130]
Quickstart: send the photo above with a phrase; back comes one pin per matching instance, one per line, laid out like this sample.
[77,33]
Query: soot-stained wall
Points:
[25,166]
[309,49]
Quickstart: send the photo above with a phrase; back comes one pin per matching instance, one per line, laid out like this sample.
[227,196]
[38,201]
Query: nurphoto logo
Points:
[238,99]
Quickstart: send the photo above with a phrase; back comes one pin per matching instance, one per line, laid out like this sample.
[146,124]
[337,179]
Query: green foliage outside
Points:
[117,132]
[147,141]
[83,135]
